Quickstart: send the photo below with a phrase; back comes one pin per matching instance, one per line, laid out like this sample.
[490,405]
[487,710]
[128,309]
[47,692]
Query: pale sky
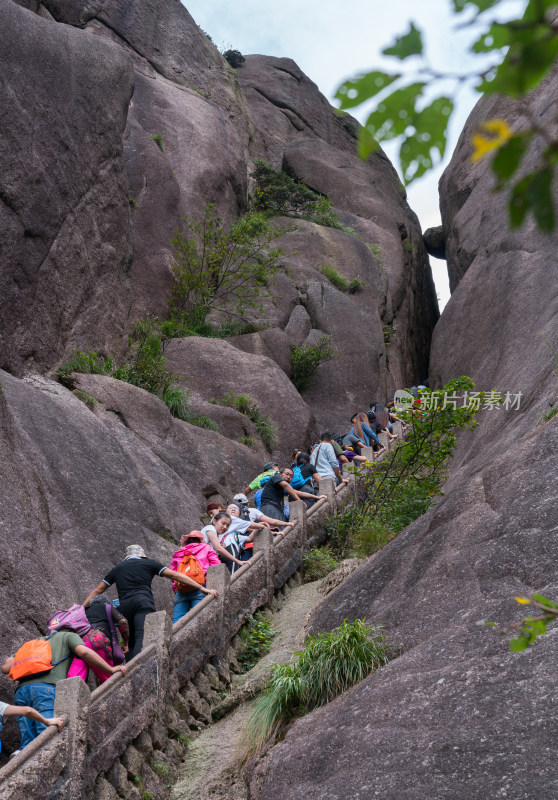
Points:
[332,41]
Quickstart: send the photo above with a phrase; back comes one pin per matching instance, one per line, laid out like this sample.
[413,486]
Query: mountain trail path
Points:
[210,768]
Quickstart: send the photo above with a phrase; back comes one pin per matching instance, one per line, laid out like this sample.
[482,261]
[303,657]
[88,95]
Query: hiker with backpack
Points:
[193,558]
[260,480]
[102,638]
[38,666]
[133,578]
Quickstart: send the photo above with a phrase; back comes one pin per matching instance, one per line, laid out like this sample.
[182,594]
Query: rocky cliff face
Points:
[457,714]
[89,203]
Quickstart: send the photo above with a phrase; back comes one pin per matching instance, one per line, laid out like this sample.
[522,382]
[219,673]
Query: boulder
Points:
[213,367]
[64,213]
[183,177]
[285,104]
[78,484]
[272,342]
[455,714]
[435,242]
[299,325]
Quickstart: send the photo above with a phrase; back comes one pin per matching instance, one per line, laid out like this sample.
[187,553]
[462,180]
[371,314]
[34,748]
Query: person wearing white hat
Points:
[133,578]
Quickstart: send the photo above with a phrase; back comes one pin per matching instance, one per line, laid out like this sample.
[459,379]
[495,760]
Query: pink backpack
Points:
[72,619]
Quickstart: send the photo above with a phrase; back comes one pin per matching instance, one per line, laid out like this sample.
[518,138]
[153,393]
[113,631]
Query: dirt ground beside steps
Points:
[210,770]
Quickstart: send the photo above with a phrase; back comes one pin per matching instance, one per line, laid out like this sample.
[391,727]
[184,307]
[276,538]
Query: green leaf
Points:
[394,113]
[536,10]
[533,193]
[430,136]
[518,644]
[496,38]
[353,93]
[508,157]
[518,204]
[410,44]
[532,52]
[480,5]
[540,199]
[545,601]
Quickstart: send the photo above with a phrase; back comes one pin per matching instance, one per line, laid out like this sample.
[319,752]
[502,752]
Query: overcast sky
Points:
[332,40]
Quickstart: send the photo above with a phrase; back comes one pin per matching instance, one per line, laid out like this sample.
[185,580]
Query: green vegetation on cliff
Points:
[391,493]
[329,664]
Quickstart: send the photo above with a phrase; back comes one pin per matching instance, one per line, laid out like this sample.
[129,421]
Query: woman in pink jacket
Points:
[192,544]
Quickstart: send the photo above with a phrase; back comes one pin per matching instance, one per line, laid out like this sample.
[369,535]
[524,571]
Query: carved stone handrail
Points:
[101,725]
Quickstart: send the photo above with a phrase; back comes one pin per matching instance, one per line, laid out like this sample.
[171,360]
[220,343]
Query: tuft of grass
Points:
[89,363]
[334,276]
[329,664]
[245,405]
[90,401]
[160,768]
[203,422]
[179,328]
[548,415]
[306,359]
[255,638]
[389,332]
[176,400]
[376,251]
[248,441]
[356,285]
[317,563]
[158,139]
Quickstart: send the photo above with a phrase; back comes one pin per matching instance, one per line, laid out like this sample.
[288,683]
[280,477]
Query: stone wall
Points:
[126,738]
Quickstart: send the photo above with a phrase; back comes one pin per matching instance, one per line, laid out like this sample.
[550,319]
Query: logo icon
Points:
[402,400]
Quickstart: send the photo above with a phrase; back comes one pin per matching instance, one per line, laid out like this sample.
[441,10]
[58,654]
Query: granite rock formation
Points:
[64,213]
[456,714]
[89,201]
[209,121]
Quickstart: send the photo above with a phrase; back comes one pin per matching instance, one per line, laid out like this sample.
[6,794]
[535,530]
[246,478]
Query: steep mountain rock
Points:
[192,125]
[64,213]
[456,714]
[117,120]
[385,328]
[78,484]
[214,368]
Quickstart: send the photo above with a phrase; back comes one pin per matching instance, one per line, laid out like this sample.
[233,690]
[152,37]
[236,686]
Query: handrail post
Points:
[263,543]
[384,439]
[297,513]
[327,487]
[368,453]
[158,631]
[218,577]
[73,699]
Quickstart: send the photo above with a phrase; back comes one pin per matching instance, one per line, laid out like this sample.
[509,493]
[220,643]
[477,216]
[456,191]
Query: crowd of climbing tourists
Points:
[102,635]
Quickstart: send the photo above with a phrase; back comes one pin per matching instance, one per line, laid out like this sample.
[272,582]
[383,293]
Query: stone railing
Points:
[125,738]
